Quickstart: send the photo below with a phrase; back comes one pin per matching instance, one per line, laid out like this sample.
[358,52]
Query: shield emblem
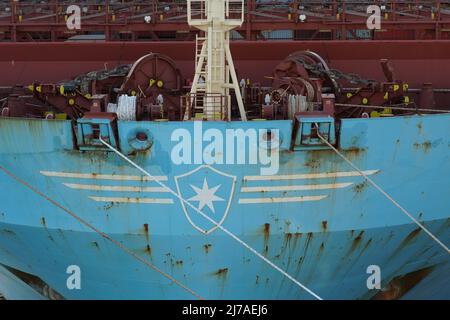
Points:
[210,191]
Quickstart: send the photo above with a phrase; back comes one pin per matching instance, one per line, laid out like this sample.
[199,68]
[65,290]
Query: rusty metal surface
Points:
[326,244]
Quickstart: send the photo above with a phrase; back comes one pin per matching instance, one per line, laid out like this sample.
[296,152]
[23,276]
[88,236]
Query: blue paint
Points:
[326,244]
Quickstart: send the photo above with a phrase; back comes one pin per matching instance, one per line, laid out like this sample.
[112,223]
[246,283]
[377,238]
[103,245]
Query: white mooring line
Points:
[374,184]
[226,231]
[102,234]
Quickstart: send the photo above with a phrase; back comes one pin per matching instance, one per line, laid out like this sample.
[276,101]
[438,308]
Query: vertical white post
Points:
[217,21]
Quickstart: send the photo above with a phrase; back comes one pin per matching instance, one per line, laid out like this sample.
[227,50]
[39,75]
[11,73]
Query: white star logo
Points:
[206,196]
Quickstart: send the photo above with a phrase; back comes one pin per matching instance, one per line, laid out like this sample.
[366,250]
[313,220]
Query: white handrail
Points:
[199,11]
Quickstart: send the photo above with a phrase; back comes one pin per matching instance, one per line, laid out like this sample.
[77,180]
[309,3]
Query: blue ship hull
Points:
[324,236]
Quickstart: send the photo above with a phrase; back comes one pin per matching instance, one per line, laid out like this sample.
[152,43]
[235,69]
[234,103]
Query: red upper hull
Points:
[414,61]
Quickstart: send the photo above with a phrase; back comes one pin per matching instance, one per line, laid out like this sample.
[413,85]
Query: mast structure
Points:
[215,74]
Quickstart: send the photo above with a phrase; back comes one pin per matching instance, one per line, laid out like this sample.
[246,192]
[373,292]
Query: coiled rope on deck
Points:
[126,108]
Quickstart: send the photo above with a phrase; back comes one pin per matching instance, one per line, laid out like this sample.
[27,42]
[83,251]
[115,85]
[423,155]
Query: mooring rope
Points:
[374,184]
[102,234]
[226,231]
[126,108]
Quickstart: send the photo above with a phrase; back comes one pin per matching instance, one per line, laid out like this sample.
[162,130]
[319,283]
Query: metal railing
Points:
[92,11]
[197,11]
[28,16]
[13,11]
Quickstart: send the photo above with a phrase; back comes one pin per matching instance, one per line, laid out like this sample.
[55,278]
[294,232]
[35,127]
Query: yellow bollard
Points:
[61,116]
[374,114]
